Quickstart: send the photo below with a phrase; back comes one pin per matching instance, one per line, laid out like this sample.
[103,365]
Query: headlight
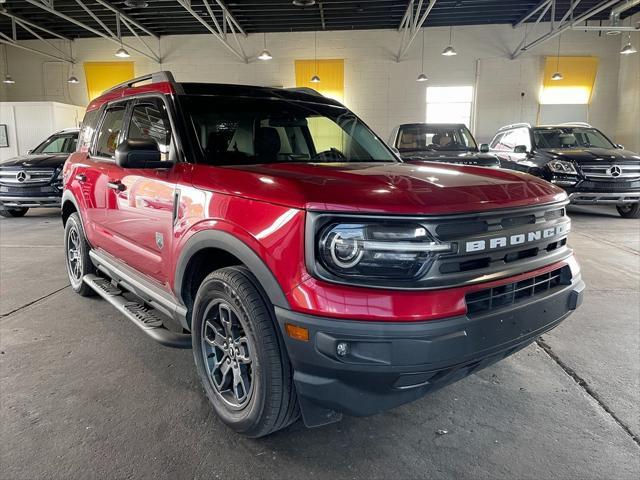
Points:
[561,166]
[376,250]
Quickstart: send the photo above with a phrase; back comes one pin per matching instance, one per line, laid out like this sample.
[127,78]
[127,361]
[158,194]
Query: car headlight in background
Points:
[562,166]
[376,250]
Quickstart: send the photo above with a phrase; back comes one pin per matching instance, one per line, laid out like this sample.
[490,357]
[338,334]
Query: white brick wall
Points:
[383,92]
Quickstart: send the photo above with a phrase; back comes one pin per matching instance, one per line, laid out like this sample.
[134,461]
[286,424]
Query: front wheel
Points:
[77,256]
[239,356]
[629,210]
[13,212]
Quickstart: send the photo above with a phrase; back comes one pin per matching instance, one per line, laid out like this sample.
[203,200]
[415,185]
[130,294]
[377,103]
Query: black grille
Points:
[497,297]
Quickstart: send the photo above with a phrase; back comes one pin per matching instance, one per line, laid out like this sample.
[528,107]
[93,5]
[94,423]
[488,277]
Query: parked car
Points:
[35,180]
[440,142]
[577,157]
[313,272]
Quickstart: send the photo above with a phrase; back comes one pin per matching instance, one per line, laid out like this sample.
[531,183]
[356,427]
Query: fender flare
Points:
[227,242]
[67,196]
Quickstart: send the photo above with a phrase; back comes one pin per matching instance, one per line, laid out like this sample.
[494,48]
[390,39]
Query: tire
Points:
[14,212]
[629,210]
[75,244]
[230,304]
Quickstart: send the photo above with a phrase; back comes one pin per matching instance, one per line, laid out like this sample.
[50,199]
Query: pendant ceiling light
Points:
[304,3]
[628,49]
[557,76]
[422,77]
[8,79]
[136,3]
[265,55]
[72,78]
[315,78]
[449,51]
[121,52]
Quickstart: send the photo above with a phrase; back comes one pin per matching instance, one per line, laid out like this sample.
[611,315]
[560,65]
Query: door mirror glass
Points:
[520,149]
[484,147]
[139,153]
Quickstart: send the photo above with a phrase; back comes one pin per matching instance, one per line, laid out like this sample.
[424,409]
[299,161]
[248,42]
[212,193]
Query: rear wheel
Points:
[13,212]
[239,355]
[629,210]
[77,255]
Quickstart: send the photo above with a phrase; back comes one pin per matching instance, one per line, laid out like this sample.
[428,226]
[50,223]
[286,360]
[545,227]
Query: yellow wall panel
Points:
[103,75]
[576,86]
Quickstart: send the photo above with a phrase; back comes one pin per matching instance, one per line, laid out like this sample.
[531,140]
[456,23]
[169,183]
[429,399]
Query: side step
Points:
[145,319]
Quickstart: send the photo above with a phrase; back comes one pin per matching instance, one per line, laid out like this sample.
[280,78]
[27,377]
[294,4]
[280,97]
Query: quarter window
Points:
[109,133]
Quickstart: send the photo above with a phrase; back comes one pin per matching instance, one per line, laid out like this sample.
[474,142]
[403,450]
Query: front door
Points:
[139,205]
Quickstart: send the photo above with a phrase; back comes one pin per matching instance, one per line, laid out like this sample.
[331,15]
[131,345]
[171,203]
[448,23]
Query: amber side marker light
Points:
[299,333]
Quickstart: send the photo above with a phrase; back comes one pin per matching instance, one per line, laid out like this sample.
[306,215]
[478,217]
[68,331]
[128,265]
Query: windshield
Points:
[58,144]
[570,137]
[244,131]
[424,137]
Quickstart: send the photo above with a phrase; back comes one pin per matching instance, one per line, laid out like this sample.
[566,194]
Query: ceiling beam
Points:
[127,19]
[113,39]
[411,24]
[567,22]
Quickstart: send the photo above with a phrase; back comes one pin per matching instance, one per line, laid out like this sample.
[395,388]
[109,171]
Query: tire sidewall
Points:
[74,223]
[245,418]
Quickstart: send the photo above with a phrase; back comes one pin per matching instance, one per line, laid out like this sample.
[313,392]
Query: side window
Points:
[149,119]
[88,128]
[109,133]
[55,146]
[521,137]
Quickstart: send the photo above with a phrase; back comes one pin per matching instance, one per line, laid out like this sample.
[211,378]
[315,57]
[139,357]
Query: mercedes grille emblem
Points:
[615,171]
[22,176]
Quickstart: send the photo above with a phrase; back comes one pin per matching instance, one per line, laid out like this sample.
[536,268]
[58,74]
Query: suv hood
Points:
[465,158]
[397,188]
[39,160]
[590,155]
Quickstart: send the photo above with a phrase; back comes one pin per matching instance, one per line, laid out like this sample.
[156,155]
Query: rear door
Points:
[139,206]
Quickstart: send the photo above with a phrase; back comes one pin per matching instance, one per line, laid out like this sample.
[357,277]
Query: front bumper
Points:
[392,363]
[615,198]
[29,202]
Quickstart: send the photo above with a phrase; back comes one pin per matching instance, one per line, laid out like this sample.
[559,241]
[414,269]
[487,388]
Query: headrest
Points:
[267,141]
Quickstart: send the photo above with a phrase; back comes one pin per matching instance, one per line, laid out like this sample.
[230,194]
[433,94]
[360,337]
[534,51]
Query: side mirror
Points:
[29,152]
[520,149]
[621,147]
[139,153]
[484,147]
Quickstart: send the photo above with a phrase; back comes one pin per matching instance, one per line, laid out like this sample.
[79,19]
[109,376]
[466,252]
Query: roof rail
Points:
[513,125]
[164,76]
[308,90]
[576,124]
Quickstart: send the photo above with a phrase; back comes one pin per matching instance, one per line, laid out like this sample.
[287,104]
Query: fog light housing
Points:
[342,349]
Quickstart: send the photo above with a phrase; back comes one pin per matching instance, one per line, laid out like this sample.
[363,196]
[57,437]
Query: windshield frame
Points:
[426,128]
[611,146]
[341,110]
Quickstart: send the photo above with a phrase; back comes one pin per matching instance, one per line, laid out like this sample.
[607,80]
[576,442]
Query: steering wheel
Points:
[331,155]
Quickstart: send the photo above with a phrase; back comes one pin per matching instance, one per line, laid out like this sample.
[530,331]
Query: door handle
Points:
[118,186]
[81,178]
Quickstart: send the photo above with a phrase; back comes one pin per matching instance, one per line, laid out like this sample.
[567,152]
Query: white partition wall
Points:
[29,123]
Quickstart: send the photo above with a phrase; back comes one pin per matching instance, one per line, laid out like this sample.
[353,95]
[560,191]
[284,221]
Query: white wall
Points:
[628,131]
[29,123]
[382,91]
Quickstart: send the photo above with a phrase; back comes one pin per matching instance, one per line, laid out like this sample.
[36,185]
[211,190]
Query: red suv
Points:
[311,271]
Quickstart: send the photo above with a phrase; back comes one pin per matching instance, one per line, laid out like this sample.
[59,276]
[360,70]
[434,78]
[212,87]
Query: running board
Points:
[143,317]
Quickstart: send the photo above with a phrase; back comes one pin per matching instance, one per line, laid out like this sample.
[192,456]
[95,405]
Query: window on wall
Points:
[449,104]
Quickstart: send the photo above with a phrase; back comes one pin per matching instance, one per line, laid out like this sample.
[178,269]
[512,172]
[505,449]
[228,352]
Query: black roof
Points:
[168,17]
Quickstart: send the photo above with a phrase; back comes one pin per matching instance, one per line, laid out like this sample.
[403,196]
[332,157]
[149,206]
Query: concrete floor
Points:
[83,394]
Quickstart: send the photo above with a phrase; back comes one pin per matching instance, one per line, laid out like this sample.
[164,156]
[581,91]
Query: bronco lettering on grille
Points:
[516,239]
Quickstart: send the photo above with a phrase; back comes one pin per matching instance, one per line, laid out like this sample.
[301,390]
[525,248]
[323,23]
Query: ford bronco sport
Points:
[311,272]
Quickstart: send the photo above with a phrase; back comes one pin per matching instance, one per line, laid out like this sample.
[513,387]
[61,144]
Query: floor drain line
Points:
[585,386]
[32,303]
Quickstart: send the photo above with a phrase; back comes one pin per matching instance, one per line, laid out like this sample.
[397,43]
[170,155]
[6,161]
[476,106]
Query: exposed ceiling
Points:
[169,17]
